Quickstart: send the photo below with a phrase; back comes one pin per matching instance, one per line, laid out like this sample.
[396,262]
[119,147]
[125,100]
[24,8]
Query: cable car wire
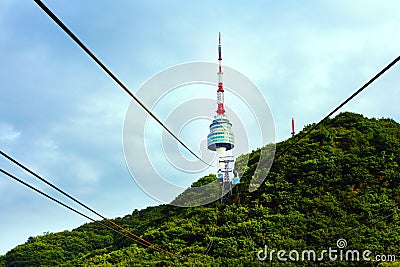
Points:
[81,203]
[69,207]
[112,75]
[391,64]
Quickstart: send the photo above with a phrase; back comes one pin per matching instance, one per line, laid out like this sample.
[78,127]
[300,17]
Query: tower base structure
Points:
[226,174]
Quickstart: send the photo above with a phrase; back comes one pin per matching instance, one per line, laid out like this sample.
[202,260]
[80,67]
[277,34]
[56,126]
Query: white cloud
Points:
[8,134]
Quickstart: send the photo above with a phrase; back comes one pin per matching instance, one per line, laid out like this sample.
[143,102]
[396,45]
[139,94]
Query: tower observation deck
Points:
[221,137]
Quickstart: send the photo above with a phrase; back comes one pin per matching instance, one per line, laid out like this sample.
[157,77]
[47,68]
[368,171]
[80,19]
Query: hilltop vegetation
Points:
[341,181]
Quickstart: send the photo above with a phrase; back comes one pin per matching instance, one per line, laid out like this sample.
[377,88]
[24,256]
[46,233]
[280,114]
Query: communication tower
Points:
[221,138]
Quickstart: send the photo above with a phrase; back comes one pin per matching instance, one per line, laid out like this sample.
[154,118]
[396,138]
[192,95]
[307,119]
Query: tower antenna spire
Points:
[220,91]
[219,46]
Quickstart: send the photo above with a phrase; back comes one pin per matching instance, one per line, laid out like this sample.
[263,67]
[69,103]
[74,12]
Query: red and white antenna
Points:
[220,91]
[292,127]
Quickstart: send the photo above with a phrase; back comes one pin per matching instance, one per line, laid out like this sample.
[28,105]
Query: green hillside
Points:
[341,181]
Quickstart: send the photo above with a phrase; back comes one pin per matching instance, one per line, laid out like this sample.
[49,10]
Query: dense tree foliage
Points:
[341,181]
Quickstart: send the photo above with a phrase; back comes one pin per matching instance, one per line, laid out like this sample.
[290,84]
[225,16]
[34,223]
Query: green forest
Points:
[342,181]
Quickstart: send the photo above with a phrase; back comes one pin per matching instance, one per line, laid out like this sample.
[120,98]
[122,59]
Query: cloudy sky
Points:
[61,115]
